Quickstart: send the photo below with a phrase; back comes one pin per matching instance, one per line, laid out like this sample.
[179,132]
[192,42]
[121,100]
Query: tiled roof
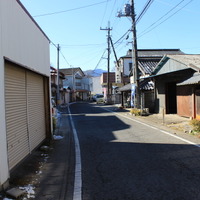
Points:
[188,59]
[147,85]
[70,71]
[195,79]
[147,66]
[144,85]
[159,53]
[125,88]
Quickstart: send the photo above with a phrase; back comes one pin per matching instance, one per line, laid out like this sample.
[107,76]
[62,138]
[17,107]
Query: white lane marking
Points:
[165,132]
[77,195]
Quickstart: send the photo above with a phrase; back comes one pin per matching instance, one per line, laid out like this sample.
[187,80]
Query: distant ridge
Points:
[94,73]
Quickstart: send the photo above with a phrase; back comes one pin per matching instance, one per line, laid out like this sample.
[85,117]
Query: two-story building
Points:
[76,81]
[60,95]
[147,61]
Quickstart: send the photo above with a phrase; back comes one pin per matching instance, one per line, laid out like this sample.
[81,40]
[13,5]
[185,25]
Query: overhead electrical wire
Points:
[153,27]
[164,15]
[69,10]
[100,59]
[60,52]
[104,13]
[122,36]
[146,7]
[64,58]
[81,45]
[112,9]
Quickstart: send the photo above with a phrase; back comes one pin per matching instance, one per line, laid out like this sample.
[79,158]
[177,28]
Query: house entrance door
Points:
[171,101]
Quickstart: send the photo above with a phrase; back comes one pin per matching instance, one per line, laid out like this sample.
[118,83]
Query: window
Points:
[130,67]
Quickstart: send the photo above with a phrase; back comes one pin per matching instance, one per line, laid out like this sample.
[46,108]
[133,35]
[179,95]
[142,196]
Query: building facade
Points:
[24,82]
[75,80]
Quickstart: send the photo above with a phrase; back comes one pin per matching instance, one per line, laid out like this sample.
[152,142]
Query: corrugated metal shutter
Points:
[36,110]
[25,112]
[16,114]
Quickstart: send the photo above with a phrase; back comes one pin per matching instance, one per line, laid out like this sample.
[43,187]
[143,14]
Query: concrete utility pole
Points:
[58,76]
[136,78]
[129,11]
[108,73]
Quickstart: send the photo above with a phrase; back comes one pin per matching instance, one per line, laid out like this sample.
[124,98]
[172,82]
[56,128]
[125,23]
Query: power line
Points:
[100,59]
[122,36]
[69,10]
[81,45]
[64,58]
[152,25]
[104,13]
[164,15]
[146,7]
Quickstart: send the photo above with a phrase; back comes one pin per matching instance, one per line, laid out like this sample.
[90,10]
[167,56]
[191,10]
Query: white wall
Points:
[22,42]
[123,68]
[126,66]
[96,85]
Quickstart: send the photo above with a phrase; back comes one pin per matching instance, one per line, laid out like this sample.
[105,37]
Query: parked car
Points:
[99,98]
[94,97]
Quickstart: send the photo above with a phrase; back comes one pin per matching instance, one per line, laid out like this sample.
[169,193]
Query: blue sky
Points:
[75,25]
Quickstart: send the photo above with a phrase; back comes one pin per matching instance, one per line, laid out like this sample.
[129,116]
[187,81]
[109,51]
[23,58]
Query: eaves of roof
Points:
[189,60]
[195,79]
[147,65]
[160,64]
[125,88]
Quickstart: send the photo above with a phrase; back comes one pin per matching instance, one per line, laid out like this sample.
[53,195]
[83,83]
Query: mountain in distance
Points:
[94,73]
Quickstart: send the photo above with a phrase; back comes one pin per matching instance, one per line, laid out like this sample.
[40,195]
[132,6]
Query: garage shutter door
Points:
[25,112]
[16,114]
[36,111]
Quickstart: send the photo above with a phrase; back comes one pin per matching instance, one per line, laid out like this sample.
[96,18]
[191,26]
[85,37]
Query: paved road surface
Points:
[122,159]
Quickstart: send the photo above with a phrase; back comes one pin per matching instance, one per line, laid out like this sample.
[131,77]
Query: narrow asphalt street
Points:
[122,159]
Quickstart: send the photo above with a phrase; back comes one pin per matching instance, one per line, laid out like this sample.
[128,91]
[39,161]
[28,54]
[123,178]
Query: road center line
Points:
[165,132]
[77,195]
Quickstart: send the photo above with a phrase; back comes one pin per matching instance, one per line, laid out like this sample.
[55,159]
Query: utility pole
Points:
[58,76]
[108,61]
[129,11]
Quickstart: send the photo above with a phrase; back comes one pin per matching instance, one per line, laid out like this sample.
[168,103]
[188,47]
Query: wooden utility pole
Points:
[108,61]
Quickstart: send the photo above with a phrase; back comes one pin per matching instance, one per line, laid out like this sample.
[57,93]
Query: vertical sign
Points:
[133,89]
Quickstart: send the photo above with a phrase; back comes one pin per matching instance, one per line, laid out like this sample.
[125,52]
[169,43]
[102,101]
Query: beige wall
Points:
[24,43]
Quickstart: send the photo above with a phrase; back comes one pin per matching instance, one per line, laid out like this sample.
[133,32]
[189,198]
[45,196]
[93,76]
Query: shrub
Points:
[135,111]
[196,125]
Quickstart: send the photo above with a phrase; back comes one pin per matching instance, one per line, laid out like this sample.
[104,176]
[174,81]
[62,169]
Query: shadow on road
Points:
[118,164]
